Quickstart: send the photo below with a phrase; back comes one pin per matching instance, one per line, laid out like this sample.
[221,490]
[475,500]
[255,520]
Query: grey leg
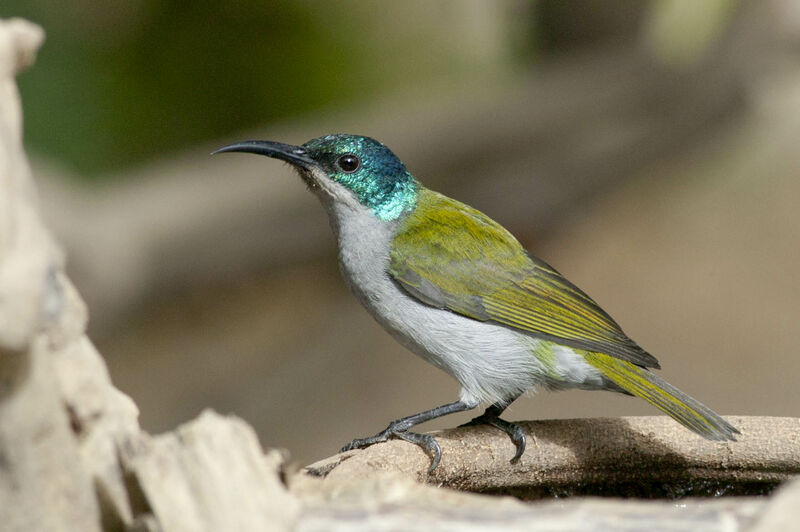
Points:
[399,429]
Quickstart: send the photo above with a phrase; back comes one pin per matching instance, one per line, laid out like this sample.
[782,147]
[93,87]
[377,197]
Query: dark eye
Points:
[348,162]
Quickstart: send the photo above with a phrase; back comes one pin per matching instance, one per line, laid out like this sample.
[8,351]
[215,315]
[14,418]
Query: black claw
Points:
[516,434]
[399,429]
[360,443]
[518,437]
[513,430]
[437,457]
[428,443]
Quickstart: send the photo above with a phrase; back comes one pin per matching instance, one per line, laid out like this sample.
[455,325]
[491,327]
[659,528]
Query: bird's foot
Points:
[513,430]
[427,442]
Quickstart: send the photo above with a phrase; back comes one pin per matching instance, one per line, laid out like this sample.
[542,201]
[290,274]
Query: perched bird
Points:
[457,289]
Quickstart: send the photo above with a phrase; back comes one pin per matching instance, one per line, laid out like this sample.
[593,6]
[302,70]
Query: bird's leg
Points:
[399,429]
[491,416]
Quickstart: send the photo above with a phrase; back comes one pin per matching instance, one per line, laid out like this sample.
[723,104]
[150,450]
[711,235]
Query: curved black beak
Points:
[296,155]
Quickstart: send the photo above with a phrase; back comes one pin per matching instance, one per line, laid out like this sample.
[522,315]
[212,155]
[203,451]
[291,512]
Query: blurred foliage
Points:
[121,81]
[680,32]
[565,26]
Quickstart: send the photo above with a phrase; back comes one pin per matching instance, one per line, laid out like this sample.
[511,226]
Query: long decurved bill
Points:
[296,155]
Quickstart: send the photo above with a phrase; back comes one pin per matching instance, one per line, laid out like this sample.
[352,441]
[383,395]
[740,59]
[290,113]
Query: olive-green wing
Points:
[451,256]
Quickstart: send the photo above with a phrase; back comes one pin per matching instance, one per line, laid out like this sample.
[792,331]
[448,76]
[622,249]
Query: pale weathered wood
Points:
[42,483]
[652,455]
[210,474]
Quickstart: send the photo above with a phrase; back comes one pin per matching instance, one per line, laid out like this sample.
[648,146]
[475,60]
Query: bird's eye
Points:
[348,163]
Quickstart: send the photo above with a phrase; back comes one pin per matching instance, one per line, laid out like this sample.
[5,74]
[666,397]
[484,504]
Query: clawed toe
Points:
[355,444]
[513,430]
[518,438]
[516,434]
[360,443]
[399,429]
[428,443]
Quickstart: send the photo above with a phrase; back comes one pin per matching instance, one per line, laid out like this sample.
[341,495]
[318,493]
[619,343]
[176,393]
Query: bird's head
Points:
[346,170]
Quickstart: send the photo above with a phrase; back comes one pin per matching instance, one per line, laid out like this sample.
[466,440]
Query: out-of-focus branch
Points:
[516,145]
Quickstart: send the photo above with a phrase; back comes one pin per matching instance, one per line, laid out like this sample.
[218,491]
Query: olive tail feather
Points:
[686,410]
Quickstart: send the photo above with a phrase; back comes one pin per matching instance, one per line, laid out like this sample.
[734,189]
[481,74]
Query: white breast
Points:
[492,363]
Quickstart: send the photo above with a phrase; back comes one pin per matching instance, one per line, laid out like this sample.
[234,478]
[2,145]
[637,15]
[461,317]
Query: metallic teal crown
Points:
[380,182]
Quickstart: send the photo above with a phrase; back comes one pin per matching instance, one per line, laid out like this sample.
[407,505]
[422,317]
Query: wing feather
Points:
[453,257]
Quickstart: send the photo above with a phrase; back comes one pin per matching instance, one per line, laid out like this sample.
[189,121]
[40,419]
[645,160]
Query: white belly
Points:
[492,363]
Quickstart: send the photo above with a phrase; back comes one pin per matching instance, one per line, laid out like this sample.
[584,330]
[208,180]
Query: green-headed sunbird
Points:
[457,289]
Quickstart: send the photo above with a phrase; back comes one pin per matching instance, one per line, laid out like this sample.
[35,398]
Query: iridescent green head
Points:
[347,167]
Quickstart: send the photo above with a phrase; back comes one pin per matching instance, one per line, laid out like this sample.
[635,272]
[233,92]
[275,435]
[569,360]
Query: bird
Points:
[457,289]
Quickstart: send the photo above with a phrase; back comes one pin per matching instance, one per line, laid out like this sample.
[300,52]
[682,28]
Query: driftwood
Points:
[72,456]
[636,456]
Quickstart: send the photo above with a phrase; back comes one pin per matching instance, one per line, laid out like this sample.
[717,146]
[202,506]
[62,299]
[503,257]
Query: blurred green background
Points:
[645,149]
[123,81]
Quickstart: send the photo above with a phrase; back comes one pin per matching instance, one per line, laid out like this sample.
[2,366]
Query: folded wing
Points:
[451,256]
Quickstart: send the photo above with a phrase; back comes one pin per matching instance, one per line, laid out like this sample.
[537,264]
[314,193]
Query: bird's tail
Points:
[686,410]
